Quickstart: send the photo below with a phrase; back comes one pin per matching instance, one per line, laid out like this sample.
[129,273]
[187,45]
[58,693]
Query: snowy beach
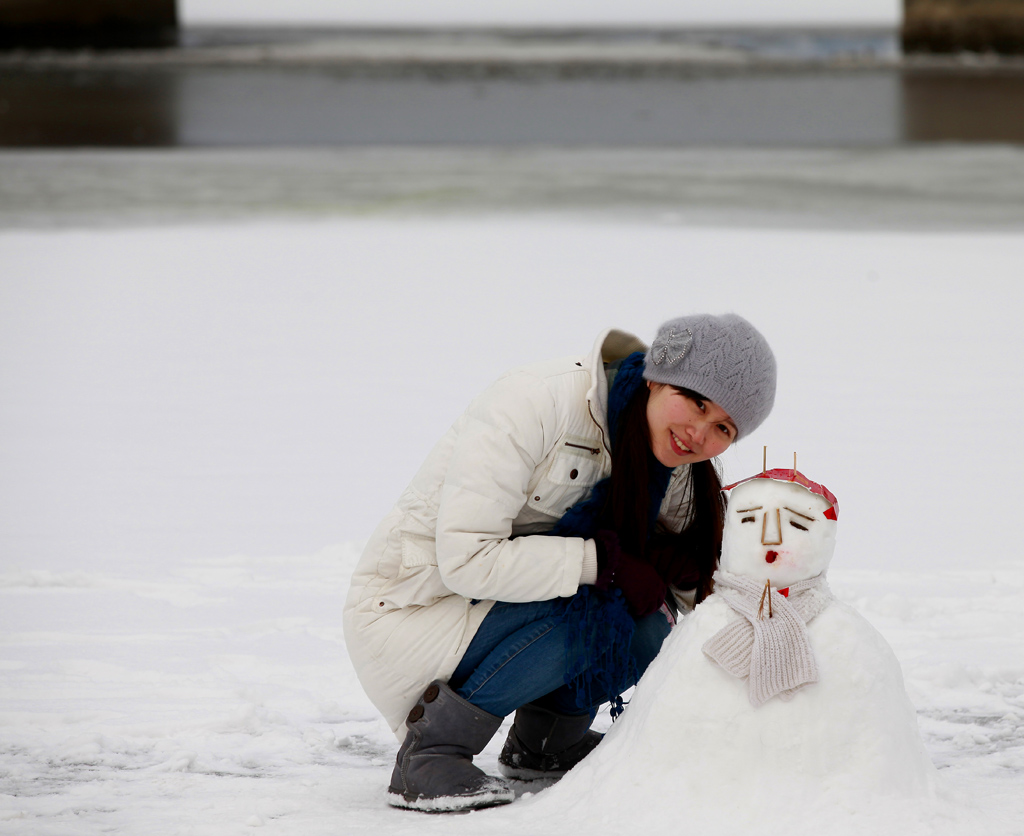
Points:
[201,420]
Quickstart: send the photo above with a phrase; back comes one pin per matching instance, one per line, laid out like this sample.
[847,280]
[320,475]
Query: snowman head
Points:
[779,526]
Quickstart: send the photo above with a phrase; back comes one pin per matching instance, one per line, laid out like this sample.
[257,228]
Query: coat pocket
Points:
[418,531]
[418,582]
[418,550]
[575,468]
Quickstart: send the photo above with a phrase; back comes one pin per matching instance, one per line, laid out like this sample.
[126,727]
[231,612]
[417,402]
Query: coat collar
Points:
[610,346]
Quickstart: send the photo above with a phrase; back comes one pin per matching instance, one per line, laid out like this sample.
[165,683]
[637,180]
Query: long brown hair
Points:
[627,508]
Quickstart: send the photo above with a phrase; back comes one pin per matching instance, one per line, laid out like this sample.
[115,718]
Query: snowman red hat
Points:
[780,474]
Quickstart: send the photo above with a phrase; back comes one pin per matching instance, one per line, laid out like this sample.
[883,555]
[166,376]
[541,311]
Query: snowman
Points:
[770,696]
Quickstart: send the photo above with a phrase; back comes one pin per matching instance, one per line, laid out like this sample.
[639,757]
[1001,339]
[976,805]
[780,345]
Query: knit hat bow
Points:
[772,653]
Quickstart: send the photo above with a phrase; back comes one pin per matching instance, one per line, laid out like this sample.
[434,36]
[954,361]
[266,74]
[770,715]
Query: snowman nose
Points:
[771,528]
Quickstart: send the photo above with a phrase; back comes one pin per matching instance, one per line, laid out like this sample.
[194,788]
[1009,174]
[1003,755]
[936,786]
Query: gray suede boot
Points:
[434,771]
[543,744]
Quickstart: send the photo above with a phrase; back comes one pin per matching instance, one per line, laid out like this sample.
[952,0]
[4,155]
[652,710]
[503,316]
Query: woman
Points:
[528,565]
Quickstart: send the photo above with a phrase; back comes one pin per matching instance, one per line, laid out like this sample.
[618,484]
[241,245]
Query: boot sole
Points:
[519,773]
[451,803]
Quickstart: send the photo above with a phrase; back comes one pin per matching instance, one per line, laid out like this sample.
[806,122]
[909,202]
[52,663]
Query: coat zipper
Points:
[592,450]
[597,423]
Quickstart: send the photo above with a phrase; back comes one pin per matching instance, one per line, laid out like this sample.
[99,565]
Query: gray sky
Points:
[544,12]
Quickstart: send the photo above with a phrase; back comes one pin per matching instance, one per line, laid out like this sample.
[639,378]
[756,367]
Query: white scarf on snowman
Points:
[772,653]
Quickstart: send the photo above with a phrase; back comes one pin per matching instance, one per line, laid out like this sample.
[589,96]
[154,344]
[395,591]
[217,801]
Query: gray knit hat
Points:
[724,358]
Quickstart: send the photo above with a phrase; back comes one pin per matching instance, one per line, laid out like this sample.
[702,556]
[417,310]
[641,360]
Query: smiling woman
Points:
[686,428]
[540,556]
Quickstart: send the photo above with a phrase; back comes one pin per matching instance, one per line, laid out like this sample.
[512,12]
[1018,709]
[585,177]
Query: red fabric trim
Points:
[783,475]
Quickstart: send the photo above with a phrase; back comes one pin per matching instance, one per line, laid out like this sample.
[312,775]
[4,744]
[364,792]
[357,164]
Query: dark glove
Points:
[671,557]
[641,586]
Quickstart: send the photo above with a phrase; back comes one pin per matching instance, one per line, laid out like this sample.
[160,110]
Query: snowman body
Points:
[691,732]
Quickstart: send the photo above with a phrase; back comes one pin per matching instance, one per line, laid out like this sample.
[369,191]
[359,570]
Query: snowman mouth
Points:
[770,556]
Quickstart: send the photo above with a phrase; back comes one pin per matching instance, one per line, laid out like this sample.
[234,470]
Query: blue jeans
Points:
[519,656]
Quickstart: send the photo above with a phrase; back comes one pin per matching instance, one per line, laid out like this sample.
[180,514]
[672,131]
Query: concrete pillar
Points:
[87,23]
[963,26]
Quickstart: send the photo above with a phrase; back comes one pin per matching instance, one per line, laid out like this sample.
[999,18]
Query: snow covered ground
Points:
[200,423]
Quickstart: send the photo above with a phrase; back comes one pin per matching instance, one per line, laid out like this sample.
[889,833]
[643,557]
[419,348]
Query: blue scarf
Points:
[600,629]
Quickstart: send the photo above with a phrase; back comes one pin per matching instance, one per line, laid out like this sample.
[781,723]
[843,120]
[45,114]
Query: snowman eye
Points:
[802,516]
[747,511]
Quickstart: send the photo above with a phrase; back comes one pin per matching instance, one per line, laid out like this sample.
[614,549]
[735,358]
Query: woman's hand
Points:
[670,555]
[641,585]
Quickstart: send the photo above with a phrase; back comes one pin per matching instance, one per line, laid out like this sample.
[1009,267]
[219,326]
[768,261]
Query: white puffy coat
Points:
[523,453]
